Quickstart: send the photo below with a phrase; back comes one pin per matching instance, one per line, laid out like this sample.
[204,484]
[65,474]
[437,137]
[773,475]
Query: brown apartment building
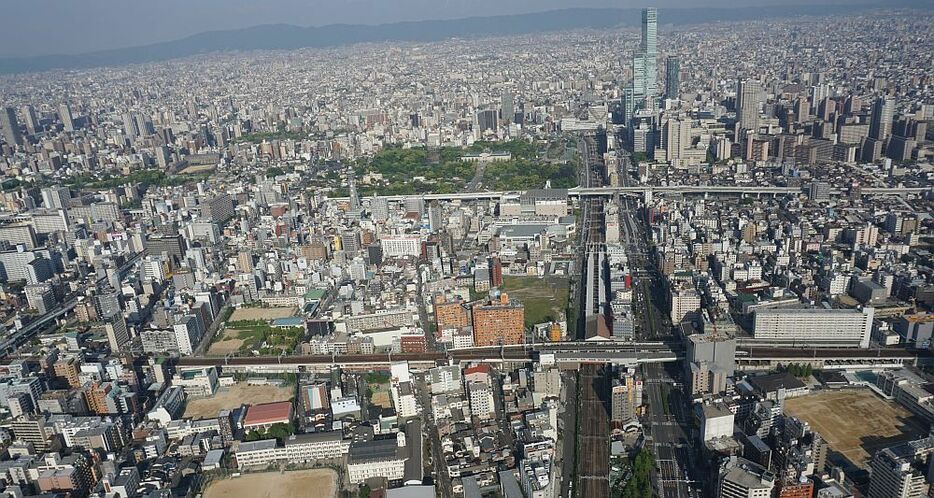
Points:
[450,314]
[498,322]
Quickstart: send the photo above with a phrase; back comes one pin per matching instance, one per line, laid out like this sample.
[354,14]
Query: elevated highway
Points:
[573,353]
[570,354]
[641,190]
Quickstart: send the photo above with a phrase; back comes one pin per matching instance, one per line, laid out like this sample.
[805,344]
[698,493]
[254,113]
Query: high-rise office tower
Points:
[748,98]
[486,120]
[672,77]
[883,112]
[676,134]
[32,120]
[64,112]
[144,124]
[629,104]
[641,94]
[10,127]
[649,31]
[129,126]
[645,62]
[508,108]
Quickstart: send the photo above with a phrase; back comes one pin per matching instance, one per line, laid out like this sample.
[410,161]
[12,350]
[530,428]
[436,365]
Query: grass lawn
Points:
[255,333]
[545,299]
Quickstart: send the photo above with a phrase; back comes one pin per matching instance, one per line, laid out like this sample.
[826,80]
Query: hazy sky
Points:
[39,27]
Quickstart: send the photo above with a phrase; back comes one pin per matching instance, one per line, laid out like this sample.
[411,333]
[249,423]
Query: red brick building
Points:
[795,489]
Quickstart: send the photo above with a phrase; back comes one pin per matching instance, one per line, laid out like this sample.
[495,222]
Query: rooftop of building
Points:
[314,437]
[748,474]
[268,413]
[263,444]
[774,382]
[375,450]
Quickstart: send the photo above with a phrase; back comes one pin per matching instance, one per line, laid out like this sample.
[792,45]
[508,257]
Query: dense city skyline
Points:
[680,256]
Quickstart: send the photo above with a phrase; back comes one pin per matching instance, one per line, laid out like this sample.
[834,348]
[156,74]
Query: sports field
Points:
[855,422]
[295,484]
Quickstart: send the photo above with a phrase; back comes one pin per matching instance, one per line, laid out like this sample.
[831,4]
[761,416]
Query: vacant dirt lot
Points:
[225,346]
[232,397]
[261,313]
[297,484]
[855,423]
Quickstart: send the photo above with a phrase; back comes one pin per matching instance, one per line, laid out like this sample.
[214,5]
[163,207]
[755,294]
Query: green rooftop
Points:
[316,294]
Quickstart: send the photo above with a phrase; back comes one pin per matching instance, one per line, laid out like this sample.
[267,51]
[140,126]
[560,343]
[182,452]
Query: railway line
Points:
[593,455]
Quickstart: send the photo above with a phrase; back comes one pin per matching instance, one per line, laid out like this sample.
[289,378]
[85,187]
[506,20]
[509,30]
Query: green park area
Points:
[526,169]
[545,299]
[415,170]
[418,170]
[377,389]
[259,335]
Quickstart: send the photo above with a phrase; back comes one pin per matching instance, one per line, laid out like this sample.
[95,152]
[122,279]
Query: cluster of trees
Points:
[257,332]
[639,484]
[377,378]
[518,148]
[638,157]
[279,431]
[278,171]
[525,169]
[11,184]
[521,174]
[443,172]
[799,370]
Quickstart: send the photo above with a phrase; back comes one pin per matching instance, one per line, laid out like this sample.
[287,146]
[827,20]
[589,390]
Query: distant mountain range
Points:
[286,37]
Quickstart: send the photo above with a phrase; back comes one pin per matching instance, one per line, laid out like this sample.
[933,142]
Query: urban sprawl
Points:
[685,262]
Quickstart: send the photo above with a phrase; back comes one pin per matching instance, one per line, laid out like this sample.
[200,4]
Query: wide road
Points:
[667,418]
[668,434]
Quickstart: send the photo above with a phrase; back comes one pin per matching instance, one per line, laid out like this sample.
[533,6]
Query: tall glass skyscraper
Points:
[672,77]
[645,63]
[645,66]
[9,127]
[649,31]
[883,112]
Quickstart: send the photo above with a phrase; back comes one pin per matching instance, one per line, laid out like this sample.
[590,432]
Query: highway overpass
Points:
[515,354]
[569,354]
[15,338]
[641,190]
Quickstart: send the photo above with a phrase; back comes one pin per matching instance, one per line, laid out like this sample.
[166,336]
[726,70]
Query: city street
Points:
[435,463]
[668,416]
